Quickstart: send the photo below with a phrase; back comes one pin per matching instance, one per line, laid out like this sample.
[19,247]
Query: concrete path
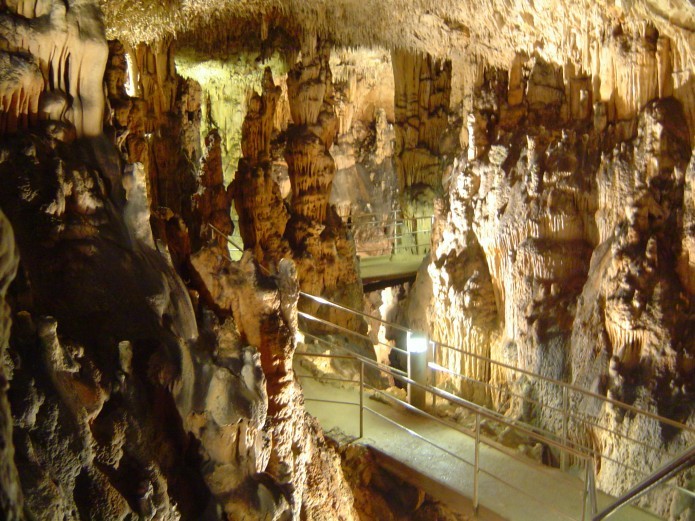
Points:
[511,487]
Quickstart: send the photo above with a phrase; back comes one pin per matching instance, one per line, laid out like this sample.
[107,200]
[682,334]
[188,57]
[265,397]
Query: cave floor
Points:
[515,488]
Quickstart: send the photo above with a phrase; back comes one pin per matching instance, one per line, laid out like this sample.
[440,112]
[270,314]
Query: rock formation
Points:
[122,405]
[559,245]
[94,350]
[11,498]
[259,204]
[324,252]
[212,203]
[309,231]
[300,471]
[51,48]
[422,93]
[553,141]
[158,126]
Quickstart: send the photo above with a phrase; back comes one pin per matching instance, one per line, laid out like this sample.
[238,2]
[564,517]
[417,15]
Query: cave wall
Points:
[133,395]
[11,497]
[562,247]
[563,242]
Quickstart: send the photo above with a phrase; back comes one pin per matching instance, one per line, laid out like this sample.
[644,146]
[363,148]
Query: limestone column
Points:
[261,210]
[311,166]
[323,250]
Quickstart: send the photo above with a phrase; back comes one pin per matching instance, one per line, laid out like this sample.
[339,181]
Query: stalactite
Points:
[422,94]
[65,44]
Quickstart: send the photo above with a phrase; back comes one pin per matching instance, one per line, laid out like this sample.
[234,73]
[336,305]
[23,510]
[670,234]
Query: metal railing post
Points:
[589,490]
[432,374]
[417,345]
[592,489]
[395,233]
[476,467]
[565,420]
[361,399]
[585,492]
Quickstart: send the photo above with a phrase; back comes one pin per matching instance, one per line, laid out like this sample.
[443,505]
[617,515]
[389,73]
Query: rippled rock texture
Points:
[563,248]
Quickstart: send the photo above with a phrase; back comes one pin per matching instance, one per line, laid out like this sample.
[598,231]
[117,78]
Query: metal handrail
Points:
[566,387]
[480,413]
[341,328]
[462,402]
[395,230]
[350,356]
[578,417]
[393,239]
[572,387]
[559,383]
[586,451]
[668,471]
[322,300]
[387,222]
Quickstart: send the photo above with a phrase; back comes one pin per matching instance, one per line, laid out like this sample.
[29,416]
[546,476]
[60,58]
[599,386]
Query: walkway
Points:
[390,248]
[389,268]
[529,492]
[459,464]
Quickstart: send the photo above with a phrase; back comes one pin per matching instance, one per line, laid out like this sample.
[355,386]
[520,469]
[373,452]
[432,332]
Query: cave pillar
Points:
[422,95]
[311,166]
[322,247]
[257,199]
[161,130]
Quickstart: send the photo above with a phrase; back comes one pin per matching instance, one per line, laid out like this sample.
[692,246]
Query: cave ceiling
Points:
[494,29]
